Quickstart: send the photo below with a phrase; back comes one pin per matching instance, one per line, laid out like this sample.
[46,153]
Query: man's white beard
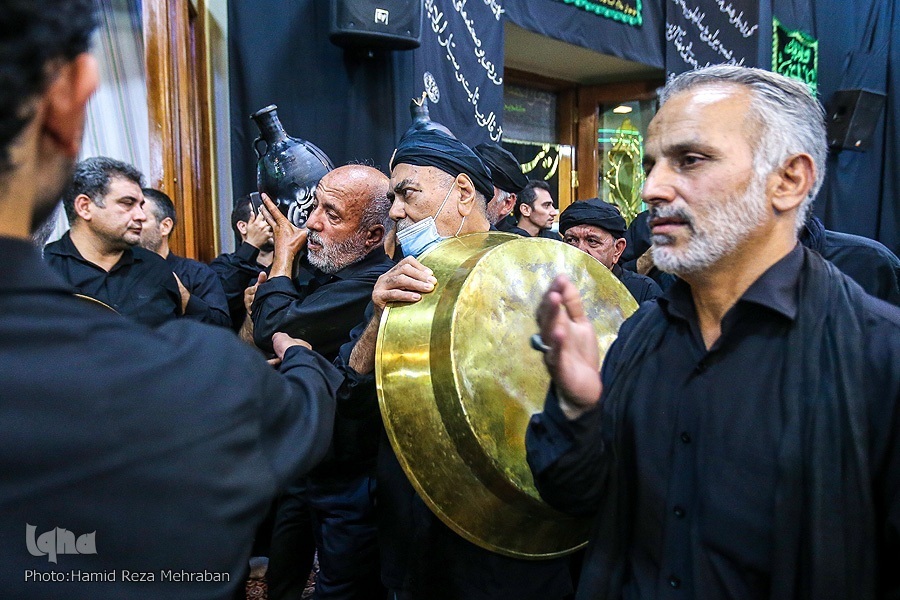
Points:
[724,228]
[331,258]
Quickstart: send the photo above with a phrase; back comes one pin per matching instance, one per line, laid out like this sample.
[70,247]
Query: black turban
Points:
[431,148]
[505,169]
[594,212]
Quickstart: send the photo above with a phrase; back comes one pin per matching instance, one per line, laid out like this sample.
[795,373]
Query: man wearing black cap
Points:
[439,188]
[508,179]
[597,228]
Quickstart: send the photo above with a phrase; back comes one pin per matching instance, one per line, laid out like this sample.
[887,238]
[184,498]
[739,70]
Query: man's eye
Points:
[691,160]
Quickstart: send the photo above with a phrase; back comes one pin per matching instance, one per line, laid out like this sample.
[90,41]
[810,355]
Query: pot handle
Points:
[256,147]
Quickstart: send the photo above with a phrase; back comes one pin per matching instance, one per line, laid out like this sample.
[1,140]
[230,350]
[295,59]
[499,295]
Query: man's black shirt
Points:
[705,430]
[641,287]
[869,263]
[322,309]
[317,307]
[140,286]
[207,303]
[237,271]
[543,233]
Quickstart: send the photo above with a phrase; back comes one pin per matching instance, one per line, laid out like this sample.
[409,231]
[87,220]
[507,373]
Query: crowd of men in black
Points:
[742,438]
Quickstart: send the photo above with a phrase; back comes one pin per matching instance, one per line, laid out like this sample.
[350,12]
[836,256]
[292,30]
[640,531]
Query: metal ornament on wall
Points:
[290,168]
[421,118]
[624,174]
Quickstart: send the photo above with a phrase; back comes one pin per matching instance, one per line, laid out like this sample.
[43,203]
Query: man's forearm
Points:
[362,359]
[282,264]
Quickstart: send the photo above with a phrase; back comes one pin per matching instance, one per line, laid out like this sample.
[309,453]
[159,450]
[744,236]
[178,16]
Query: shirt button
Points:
[674,581]
[679,512]
[685,437]
[701,366]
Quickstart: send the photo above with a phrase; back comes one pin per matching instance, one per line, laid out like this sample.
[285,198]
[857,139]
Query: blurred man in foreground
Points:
[136,462]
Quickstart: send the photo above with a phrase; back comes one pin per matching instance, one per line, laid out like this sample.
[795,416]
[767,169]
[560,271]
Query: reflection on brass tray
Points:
[95,301]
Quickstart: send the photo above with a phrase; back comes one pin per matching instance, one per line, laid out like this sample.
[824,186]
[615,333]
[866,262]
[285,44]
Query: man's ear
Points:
[65,101]
[619,245]
[242,227]
[790,185]
[84,206]
[466,194]
[166,226]
[374,236]
[508,205]
[525,209]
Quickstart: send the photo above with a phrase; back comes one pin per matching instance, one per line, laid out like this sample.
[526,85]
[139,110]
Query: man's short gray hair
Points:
[790,119]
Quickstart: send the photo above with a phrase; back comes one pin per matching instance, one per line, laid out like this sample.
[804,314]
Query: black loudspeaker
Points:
[852,117]
[387,24]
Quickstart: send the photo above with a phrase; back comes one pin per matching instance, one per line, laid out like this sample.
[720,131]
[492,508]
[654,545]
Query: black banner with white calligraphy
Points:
[710,32]
[460,66]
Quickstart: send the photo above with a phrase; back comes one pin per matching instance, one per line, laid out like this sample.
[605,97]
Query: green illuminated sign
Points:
[795,55]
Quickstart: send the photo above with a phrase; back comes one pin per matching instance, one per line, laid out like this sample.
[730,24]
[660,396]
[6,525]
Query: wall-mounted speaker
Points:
[852,118]
[387,24]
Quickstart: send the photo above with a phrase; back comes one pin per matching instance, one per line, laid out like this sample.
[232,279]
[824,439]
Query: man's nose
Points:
[314,221]
[658,185]
[397,211]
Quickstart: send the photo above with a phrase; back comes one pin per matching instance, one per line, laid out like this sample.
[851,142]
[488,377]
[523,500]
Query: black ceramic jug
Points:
[289,169]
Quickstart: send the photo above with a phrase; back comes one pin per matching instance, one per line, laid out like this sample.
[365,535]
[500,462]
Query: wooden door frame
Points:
[179,108]
[589,100]
[566,122]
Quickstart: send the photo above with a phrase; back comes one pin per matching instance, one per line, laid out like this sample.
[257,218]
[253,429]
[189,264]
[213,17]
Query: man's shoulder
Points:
[189,265]
[372,266]
[838,243]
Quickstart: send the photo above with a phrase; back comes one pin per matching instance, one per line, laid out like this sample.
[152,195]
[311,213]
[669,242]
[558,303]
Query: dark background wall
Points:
[351,105]
[355,107]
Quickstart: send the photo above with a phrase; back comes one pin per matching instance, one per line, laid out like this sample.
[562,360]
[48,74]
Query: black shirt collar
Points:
[776,289]
[66,247]
[23,270]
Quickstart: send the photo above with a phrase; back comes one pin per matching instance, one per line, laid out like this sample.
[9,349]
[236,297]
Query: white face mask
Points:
[419,237]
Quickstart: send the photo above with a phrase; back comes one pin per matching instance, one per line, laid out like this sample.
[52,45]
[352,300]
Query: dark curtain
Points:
[710,32]
[644,44]
[353,105]
[856,51]
[460,66]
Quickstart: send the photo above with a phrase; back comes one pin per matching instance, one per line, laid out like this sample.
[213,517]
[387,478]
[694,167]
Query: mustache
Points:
[404,223]
[672,212]
[313,236]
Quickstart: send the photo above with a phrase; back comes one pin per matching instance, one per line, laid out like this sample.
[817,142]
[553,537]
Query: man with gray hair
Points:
[100,257]
[761,459]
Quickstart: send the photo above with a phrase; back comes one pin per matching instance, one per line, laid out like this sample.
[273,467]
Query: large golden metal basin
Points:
[458,381]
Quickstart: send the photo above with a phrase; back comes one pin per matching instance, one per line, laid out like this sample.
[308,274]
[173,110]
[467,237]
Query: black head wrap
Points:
[594,212]
[431,148]
[505,169]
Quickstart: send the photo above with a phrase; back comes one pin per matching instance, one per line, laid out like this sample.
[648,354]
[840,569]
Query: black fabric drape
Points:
[644,44]
[857,51]
[353,105]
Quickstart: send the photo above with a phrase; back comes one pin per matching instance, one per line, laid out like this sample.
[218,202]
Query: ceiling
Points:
[545,56]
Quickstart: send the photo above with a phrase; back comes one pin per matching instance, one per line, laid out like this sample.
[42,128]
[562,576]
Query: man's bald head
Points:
[350,217]
[364,186]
